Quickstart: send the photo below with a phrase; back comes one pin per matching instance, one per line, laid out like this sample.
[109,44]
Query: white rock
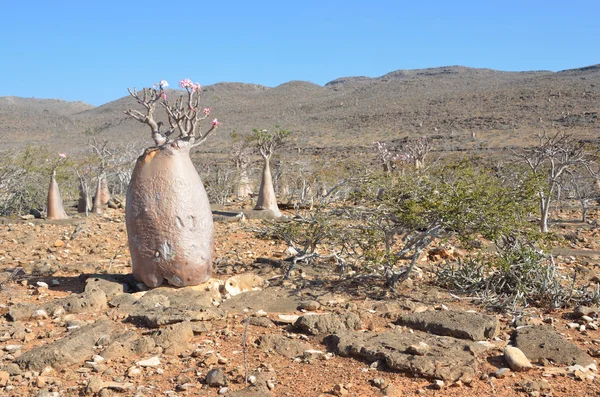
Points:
[252,379]
[98,358]
[516,359]
[150,362]
[573,325]
[223,390]
[587,319]
[40,315]
[313,354]
[41,284]
[12,348]
[287,318]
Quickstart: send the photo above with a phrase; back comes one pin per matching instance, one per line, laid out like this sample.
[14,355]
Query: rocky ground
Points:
[75,323]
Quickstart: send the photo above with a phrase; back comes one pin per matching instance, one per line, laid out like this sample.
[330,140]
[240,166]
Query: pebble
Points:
[223,390]
[516,359]
[339,390]
[438,384]
[150,362]
[502,373]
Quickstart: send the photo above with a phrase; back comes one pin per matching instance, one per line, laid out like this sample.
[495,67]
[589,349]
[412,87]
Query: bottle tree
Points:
[169,221]
[267,142]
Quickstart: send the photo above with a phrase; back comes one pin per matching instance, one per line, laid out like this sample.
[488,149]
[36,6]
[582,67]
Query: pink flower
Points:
[206,111]
[185,83]
[163,83]
[216,123]
[196,87]
[164,96]
[62,155]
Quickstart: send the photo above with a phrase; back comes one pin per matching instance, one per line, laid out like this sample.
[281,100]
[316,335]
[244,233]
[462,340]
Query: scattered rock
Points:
[318,324]
[75,348]
[391,391]
[216,378]
[174,338]
[458,324]
[543,342]
[502,373]
[531,386]
[581,310]
[150,362]
[516,359]
[310,306]
[94,385]
[449,358]
[280,344]
[271,300]
[242,283]
[438,384]
[4,376]
[260,322]
[339,390]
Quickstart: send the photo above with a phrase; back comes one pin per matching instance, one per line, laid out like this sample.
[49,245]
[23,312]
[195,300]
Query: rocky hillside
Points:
[461,107]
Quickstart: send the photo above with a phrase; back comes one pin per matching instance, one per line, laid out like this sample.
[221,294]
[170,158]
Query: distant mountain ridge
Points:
[457,105]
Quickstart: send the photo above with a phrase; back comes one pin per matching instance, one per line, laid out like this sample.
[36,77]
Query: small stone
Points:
[573,325]
[313,354]
[42,284]
[94,385]
[270,385]
[309,306]
[54,282]
[41,381]
[223,390]
[252,379]
[516,359]
[12,348]
[40,315]
[419,349]
[502,373]
[339,390]
[4,376]
[222,360]
[132,372]
[438,384]
[391,391]
[59,243]
[581,310]
[587,319]
[150,362]
[216,378]
[380,382]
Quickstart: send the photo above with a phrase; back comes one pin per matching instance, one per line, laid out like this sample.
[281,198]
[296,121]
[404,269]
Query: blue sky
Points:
[92,51]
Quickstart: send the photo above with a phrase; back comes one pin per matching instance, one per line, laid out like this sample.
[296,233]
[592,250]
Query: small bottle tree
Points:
[169,221]
[55,207]
[240,156]
[267,142]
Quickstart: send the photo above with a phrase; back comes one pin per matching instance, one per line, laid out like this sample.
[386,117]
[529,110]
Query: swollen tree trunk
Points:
[169,221]
[55,204]
[244,188]
[83,204]
[97,207]
[104,192]
[266,194]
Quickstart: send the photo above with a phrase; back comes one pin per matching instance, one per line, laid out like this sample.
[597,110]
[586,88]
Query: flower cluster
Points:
[189,85]
[161,84]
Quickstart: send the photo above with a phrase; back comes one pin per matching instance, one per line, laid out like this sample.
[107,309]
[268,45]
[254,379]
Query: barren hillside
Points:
[463,107]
